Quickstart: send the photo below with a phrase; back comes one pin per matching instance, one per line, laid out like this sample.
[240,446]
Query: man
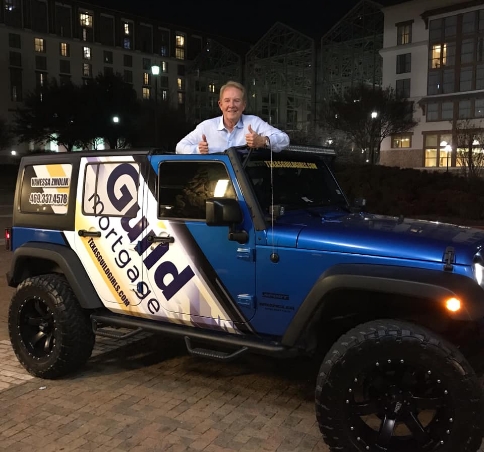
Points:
[233,128]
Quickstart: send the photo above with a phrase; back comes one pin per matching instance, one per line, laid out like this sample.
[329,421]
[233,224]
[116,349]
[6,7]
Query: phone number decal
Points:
[51,199]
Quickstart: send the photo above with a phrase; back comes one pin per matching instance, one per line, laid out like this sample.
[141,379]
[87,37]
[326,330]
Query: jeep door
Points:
[108,197]
[222,287]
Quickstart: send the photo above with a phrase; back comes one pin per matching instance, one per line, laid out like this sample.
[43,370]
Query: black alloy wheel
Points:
[50,333]
[37,327]
[392,386]
[398,406]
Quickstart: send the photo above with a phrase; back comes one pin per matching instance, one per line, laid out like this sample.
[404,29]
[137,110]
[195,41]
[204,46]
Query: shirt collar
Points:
[239,125]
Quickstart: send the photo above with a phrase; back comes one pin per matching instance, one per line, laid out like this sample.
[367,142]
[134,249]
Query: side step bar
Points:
[214,354]
[243,344]
[113,334]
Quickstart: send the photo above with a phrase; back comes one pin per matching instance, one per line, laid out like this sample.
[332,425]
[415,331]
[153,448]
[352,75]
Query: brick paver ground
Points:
[150,396]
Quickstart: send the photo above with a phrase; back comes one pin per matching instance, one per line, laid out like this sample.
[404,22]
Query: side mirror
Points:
[226,212]
[222,212]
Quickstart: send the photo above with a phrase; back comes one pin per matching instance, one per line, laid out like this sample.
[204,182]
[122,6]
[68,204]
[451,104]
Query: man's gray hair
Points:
[233,84]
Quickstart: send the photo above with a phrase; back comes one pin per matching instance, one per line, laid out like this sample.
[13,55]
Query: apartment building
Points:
[76,41]
[433,52]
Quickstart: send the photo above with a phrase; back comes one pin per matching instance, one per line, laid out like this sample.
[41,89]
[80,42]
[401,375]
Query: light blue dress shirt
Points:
[219,138]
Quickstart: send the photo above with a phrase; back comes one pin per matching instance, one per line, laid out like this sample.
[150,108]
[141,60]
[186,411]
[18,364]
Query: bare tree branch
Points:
[368,115]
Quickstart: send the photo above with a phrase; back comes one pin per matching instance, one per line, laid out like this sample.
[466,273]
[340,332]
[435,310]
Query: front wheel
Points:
[396,387]
[50,333]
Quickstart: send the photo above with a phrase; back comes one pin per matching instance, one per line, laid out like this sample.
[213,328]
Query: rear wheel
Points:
[50,333]
[393,386]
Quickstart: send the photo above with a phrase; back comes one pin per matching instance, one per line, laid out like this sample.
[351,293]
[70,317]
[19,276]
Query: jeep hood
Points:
[377,235]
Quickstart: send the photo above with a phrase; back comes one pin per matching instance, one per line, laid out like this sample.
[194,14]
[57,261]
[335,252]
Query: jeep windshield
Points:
[293,181]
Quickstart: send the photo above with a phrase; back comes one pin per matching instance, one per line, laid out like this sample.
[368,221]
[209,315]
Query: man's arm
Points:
[279,140]
[189,144]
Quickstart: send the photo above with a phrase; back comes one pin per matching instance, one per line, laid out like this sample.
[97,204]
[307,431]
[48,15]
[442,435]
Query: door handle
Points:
[84,233]
[163,239]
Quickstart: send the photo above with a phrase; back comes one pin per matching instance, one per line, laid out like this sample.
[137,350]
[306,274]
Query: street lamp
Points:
[374,115]
[155,71]
[115,119]
[448,149]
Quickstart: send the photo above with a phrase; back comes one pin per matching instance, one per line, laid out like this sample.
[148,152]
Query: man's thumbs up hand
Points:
[203,145]
[254,140]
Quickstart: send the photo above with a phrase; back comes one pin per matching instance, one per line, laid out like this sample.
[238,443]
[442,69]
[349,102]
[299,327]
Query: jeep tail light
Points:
[8,239]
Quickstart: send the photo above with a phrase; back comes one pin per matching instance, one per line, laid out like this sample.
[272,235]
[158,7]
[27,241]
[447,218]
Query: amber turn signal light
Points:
[453,304]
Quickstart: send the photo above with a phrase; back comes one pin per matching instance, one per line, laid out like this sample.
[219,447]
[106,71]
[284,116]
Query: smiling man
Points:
[233,128]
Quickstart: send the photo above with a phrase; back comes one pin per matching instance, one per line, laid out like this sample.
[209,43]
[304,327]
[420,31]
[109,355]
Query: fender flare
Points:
[69,263]
[421,283]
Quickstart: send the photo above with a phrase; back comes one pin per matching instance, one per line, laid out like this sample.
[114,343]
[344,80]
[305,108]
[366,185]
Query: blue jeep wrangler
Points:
[254,252]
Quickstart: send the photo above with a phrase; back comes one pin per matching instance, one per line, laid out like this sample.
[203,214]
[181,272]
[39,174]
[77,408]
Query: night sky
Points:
[236,20]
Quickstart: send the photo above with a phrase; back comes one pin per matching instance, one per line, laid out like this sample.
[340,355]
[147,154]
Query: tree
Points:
[367,115]
[113,110]
[6,138]
[469,137]
[77,115]
[170,121]
[53,113]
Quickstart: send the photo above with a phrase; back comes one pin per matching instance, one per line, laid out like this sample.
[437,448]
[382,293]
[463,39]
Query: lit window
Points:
[164,66]
[180,41]
[146,78]
[401,141]
[146,93]
[9,5]
[404,34]
[180,47]
[439,55]
[211,88]
[438,150]
[86,70]
[85,20]
[164,94]
[86,52]
[41,78]
[180,84]
[39,45]
[64,49]
[126,28]
[181,98]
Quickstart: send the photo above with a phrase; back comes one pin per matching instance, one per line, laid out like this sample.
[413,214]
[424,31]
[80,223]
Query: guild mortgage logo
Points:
[119,197]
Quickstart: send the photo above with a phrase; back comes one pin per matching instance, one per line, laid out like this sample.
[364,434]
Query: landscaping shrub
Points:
[438,196]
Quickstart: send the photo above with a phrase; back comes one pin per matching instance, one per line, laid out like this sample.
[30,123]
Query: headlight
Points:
[479,272]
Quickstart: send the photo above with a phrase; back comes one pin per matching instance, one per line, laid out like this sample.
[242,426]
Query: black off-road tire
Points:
[50,333]
[393,386]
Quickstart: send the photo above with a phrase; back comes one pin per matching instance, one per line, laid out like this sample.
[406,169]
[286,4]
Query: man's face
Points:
[231,104]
